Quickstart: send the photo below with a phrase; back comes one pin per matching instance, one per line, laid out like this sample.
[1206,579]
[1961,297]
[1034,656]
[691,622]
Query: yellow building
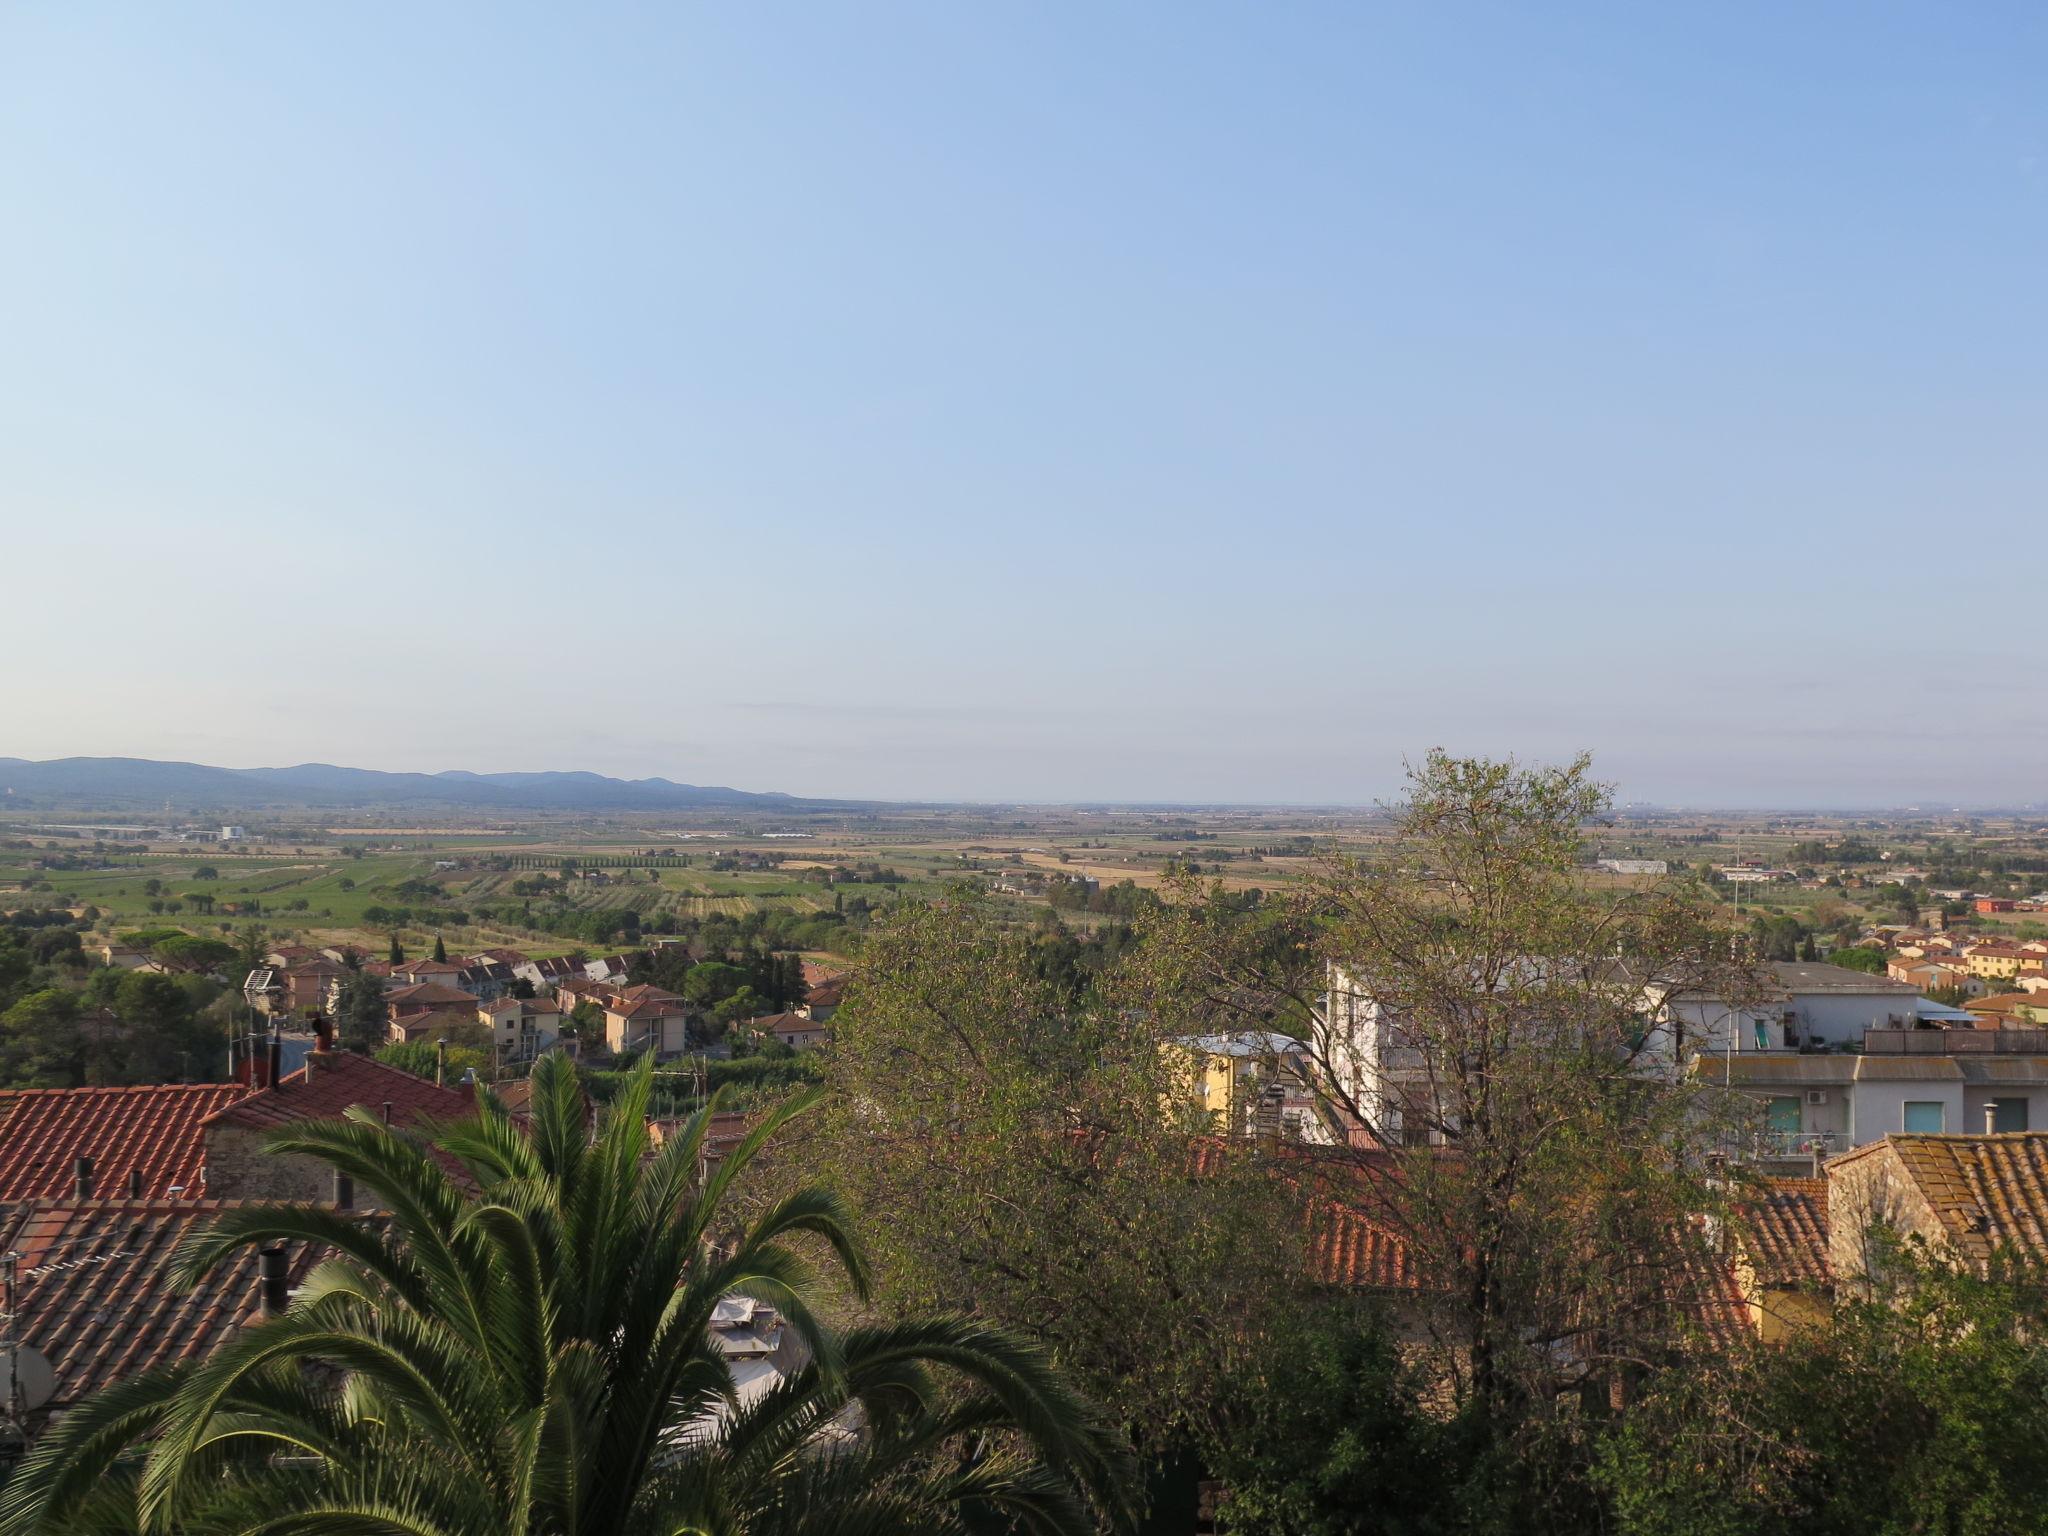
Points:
[1228,1077]
[1993,960]
[1780,1257]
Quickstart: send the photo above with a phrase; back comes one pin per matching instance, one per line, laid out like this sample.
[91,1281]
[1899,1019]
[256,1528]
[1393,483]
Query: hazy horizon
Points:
[1170,404]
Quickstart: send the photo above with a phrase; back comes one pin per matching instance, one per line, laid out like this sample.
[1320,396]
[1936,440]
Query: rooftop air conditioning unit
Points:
[1816,1095]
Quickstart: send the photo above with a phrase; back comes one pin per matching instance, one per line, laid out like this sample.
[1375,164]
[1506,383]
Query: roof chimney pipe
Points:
[81,1178]
[274,1289]
[276,1058]
[323,1027]
[344,1191]
[134,1183]
[1990,1116]
[441,1062]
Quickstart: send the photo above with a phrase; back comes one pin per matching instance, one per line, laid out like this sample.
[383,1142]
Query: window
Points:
[1923,1117]
[2008,1114]
[1782,1115]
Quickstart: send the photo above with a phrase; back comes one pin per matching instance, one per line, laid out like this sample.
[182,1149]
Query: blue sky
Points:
[1189,401]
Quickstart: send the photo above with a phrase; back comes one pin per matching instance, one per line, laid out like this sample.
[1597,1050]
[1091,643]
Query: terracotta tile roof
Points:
[418,1026]
[828,993]
[342,1079]
[527,1004]
[95,1293]
[427,994]
[1989,1191]
[1348,1247]
[645,992]
[647,1008]
[1785,1232]
[156,1130]
[430,968]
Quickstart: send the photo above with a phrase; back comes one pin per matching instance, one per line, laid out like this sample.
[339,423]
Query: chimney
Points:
[81,1178]
[276,1058]
[387,1111]
[344,1191]
[274,1289]
[1990,1117]
[134,1183]
[323,1027]
[441,1062]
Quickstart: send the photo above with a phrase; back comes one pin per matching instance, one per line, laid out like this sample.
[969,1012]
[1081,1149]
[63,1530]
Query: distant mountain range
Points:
[139,783]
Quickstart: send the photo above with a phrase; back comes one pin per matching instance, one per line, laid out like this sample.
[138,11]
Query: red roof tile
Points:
[156,1130]
[341,1079]
[1785,1231]
[95,1293]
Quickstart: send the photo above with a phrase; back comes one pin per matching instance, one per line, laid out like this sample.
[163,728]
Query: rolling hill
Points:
[134,782]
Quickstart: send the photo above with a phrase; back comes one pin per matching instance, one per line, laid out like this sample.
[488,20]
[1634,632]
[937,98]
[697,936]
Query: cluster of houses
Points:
[101,1187]
[1832,1059]
[521,1002]
[1873,1104]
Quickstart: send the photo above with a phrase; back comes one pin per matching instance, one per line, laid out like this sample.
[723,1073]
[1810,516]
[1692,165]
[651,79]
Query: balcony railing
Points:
[1955,1042]
[1799,1143]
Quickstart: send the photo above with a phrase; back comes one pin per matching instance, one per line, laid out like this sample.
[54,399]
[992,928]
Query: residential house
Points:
[1779,1257]
[1245,1081]
[794,1030]
[822,997]
[238,1162]
[147,1140]
[401,1003]
[1965,1196]
[546,972]
[521,1027]
[311,985]
[428,973]
[98,1298]
[645,1018]
[123,957]
[609,969]
[1993,959]
[434,1024]
[1799,1008]
[1932,975]
[485,978]
[571,990]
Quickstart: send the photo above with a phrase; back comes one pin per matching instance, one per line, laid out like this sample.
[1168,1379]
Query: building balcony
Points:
[1786,1145]
[1955,1042]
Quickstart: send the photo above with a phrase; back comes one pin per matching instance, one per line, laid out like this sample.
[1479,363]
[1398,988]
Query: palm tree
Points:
[522,1350]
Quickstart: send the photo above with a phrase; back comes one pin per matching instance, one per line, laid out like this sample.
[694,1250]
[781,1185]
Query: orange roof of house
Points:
[96,1294]
[1989,1191]
[529,1004]
[429,993]
[153,1129]
[342,1079]
[1785,1231]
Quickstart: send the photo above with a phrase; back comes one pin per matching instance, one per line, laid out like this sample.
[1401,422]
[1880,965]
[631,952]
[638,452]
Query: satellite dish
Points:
[27,1372]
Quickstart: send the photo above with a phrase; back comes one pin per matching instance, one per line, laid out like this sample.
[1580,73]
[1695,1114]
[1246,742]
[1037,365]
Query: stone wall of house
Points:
[238,1168]
[1865,1190]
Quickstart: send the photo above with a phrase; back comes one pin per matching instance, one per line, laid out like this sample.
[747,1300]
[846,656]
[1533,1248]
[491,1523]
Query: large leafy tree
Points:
[1010,1116]
[1541,1149]
[531,1355]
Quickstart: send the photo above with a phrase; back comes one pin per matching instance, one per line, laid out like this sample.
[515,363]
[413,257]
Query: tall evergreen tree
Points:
[397,949]
[440,951]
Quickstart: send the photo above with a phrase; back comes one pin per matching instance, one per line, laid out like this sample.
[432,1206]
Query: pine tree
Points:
[397,950]
[440,951]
